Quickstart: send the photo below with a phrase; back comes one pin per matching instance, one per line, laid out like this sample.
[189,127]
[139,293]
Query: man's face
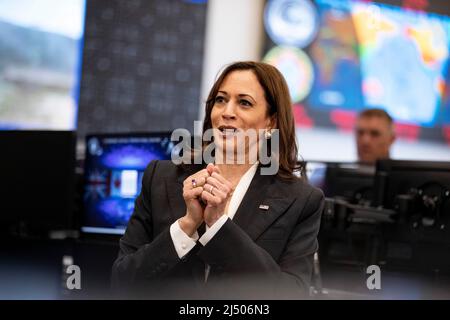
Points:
[374,138]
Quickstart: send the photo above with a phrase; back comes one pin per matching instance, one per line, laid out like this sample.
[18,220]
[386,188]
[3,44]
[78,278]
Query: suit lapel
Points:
[255,193]
[267,191]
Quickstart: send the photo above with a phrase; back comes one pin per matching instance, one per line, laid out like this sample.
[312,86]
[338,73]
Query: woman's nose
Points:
[229,111]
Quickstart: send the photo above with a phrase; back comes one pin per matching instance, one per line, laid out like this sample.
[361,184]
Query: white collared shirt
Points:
[183,243]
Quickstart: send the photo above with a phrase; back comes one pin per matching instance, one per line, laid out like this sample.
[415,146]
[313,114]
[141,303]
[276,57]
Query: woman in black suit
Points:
[227,229]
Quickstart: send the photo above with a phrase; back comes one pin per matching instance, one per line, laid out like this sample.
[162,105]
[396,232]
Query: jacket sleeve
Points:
[142,255]
[232,253]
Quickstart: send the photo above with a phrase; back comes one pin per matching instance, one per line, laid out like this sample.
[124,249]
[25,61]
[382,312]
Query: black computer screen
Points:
[37,172]
[419,192]
[396,178]
[352,182]
[114,167]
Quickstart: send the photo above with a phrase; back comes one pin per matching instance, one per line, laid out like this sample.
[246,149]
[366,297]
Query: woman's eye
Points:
[246,103]
[219,99]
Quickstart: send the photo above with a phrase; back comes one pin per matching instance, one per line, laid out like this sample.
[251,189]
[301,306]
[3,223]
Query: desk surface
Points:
[32,269]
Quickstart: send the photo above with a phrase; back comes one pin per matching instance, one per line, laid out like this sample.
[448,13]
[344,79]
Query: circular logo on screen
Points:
[291,22]
[296,67]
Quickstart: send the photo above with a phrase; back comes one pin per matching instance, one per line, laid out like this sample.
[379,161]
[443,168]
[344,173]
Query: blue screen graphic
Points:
[114,169]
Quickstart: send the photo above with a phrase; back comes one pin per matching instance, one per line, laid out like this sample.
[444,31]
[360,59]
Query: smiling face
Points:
[239,105]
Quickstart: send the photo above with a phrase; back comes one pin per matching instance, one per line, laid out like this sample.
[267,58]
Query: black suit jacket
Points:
[258,254]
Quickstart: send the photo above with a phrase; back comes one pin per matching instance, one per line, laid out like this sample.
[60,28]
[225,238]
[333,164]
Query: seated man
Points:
[374,135]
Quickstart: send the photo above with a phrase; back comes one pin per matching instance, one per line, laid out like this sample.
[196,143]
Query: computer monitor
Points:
[352,182]
[37,174]
[419,192]
[339,57]
[399,180]
[114,166]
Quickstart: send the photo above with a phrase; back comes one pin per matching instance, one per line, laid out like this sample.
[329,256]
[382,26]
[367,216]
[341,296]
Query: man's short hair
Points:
[375,112]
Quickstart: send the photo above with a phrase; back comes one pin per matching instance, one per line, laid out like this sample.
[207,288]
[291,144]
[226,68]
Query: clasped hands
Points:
[206,194]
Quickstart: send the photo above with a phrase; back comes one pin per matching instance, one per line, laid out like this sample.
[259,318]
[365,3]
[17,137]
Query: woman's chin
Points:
[231,155]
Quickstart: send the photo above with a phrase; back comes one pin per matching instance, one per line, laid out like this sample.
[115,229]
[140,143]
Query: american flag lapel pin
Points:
[264,207]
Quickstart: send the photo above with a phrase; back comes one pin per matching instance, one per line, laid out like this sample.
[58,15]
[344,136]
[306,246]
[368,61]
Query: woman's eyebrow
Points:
[239,95]
[246,95]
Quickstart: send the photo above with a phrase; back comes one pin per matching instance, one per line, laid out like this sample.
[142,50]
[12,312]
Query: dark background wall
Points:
[142,65]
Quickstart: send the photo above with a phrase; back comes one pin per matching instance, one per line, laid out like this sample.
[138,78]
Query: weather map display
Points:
[357,54]
[417,74]
[114,168]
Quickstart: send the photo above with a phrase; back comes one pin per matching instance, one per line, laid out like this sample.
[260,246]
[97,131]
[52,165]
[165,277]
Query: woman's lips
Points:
[227,131]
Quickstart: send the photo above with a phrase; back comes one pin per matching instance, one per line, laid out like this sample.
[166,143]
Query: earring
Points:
[268,134]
